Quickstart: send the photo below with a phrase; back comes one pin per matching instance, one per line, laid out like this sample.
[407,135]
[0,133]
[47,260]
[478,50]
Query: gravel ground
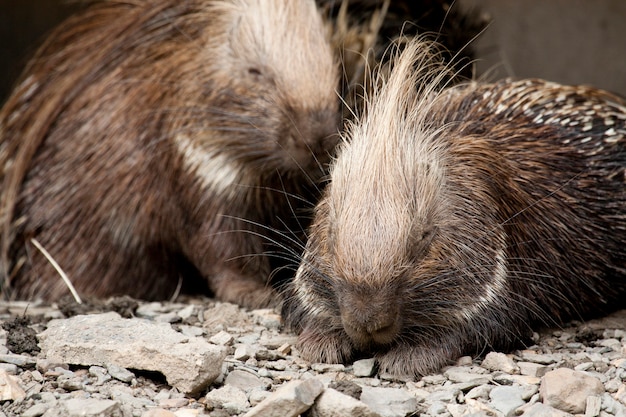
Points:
[199,357]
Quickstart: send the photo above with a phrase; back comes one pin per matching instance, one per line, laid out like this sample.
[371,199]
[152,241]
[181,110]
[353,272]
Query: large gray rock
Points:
[189,364]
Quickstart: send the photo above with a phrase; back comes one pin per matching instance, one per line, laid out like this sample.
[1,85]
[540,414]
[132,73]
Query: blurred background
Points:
[569,41]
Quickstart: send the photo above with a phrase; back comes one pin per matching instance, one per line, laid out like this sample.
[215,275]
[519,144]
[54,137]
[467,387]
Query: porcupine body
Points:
[459,220]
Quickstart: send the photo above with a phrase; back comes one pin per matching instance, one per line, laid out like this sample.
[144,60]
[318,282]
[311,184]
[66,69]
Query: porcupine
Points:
[460,219]
[153,140]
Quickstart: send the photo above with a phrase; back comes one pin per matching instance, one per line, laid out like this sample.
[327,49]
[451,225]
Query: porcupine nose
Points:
[370,321]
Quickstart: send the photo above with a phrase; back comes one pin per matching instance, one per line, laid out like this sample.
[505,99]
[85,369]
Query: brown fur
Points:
[458,220]
[150,141]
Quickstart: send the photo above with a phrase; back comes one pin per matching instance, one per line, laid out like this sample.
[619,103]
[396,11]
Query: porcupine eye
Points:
[421,241]
[255,72]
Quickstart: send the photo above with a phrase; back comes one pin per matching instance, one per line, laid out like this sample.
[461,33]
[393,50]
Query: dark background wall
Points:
[22,25]
[571,41]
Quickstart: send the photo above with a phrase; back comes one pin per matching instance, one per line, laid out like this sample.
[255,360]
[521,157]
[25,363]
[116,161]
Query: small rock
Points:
[480,391]
[445,394]
[37,410]
[10,389]
[173,402]
[222,338]
[19,360]
[347,387]
[389,402]
[9,368]
[459,374]
[267,318]
[284,349]
[333,403]
[231,398]
[532,369]
[170,317]
[506,399]
[244,380]
[436,408]
[436,379]
[119,373]
[44,365]
[543,359]
[189,364]
[191,331]
[244,352]
[258,395]
[507,379]
[158,412]
[542,410]
[592,408]
[328,367]
[497,361]
[85,407]
[71,382]
[567,390]
[226,314]
[100,373]
[612,406]
[274,341]
[128,398]
[464,361]
[186,312]
[191,412]
[290,400]
[364,367]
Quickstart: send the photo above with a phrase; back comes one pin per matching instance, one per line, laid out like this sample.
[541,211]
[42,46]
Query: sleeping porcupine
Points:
[458,220]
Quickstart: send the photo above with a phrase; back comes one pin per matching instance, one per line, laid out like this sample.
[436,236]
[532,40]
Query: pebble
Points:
[244,380]
[532,369]
[333,403]
[542,410]
[222,338]
[18,360]
[568,390]
[78,407]
[290,400]
[243,352]
[232,399]
[10,388]
[389,402]
[158,412]
[328,367]
[461,374]
[507,399]
[543,359]
[364,367]
[119,373]
[497,361]
[37,410]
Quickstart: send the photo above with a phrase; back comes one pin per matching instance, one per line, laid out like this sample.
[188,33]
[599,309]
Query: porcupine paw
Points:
[245,291]
[407,361]
[324,346]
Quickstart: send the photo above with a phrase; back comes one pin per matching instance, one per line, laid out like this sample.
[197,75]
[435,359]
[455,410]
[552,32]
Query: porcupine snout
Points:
[370,316]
